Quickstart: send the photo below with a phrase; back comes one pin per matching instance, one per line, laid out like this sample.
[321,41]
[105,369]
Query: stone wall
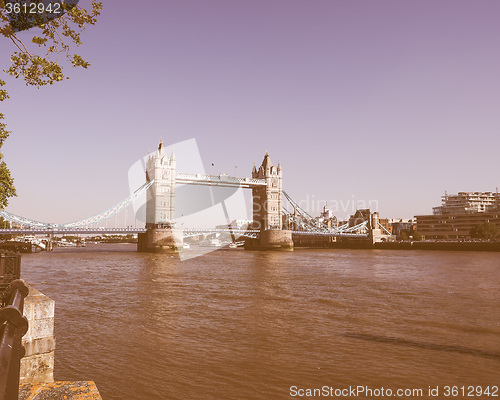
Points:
[37,366]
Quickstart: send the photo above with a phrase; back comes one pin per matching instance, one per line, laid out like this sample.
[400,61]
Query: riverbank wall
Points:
[450,246]
[407,245]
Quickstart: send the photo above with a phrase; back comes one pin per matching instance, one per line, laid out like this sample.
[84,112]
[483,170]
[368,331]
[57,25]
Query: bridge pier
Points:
[271,240]
[161,240]
[50,238]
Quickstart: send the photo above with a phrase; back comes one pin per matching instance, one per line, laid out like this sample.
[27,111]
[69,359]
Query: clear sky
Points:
[389,101]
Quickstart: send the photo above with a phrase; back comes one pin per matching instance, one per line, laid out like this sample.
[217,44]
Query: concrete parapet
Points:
[156,240]
[37,365]
[271,240]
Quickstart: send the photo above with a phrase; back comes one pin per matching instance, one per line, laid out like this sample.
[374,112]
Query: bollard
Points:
[13,326]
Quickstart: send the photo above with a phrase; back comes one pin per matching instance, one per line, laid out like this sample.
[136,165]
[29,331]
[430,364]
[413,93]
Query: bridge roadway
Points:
[120,231]
[186,232]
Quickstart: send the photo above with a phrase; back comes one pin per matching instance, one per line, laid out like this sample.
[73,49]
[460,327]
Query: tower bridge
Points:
[161,233]
[272,227]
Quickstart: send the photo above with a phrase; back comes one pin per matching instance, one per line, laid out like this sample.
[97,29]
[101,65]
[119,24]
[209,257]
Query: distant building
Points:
[458,214]
[327,218]
[364,215]
[468,203]
[359,217]
[386,224]
[400,225]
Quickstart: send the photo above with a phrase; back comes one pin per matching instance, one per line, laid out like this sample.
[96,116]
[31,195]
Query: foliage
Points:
[417,236]
[38,64]
[487,230]
[7,188]
[404,234]
[4,223]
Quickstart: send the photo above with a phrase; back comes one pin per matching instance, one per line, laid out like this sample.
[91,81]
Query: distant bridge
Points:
[186,232]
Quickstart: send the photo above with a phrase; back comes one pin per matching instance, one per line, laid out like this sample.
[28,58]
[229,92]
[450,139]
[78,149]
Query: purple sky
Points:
[393,101]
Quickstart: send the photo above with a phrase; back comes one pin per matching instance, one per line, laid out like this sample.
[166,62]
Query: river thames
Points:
[238,324]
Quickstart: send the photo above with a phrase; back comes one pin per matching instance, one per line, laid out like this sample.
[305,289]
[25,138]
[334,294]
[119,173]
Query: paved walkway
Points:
[59,391]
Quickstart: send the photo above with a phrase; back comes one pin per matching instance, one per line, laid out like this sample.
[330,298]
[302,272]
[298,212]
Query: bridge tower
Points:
[267,207]
[161,235]
[160,206]
[375,233]
[267,200]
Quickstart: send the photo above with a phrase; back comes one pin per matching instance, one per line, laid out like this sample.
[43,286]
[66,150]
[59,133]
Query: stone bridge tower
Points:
[160,235]
[267,200]
[267,209]
[160,206]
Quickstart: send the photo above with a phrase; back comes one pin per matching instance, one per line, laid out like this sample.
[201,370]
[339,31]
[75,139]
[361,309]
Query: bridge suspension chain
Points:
[303,218]
[306,222]
[296,206]
[385,229]
[362,226]
[110,211]
[16,219]
[302,223]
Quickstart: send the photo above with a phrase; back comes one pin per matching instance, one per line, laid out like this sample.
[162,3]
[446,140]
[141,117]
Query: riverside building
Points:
[458,214]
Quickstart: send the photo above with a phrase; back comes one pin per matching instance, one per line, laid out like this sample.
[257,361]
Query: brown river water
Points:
[238,324]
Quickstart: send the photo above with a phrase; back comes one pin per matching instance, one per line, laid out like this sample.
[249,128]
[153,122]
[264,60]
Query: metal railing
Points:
[10,268]
[13,326]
